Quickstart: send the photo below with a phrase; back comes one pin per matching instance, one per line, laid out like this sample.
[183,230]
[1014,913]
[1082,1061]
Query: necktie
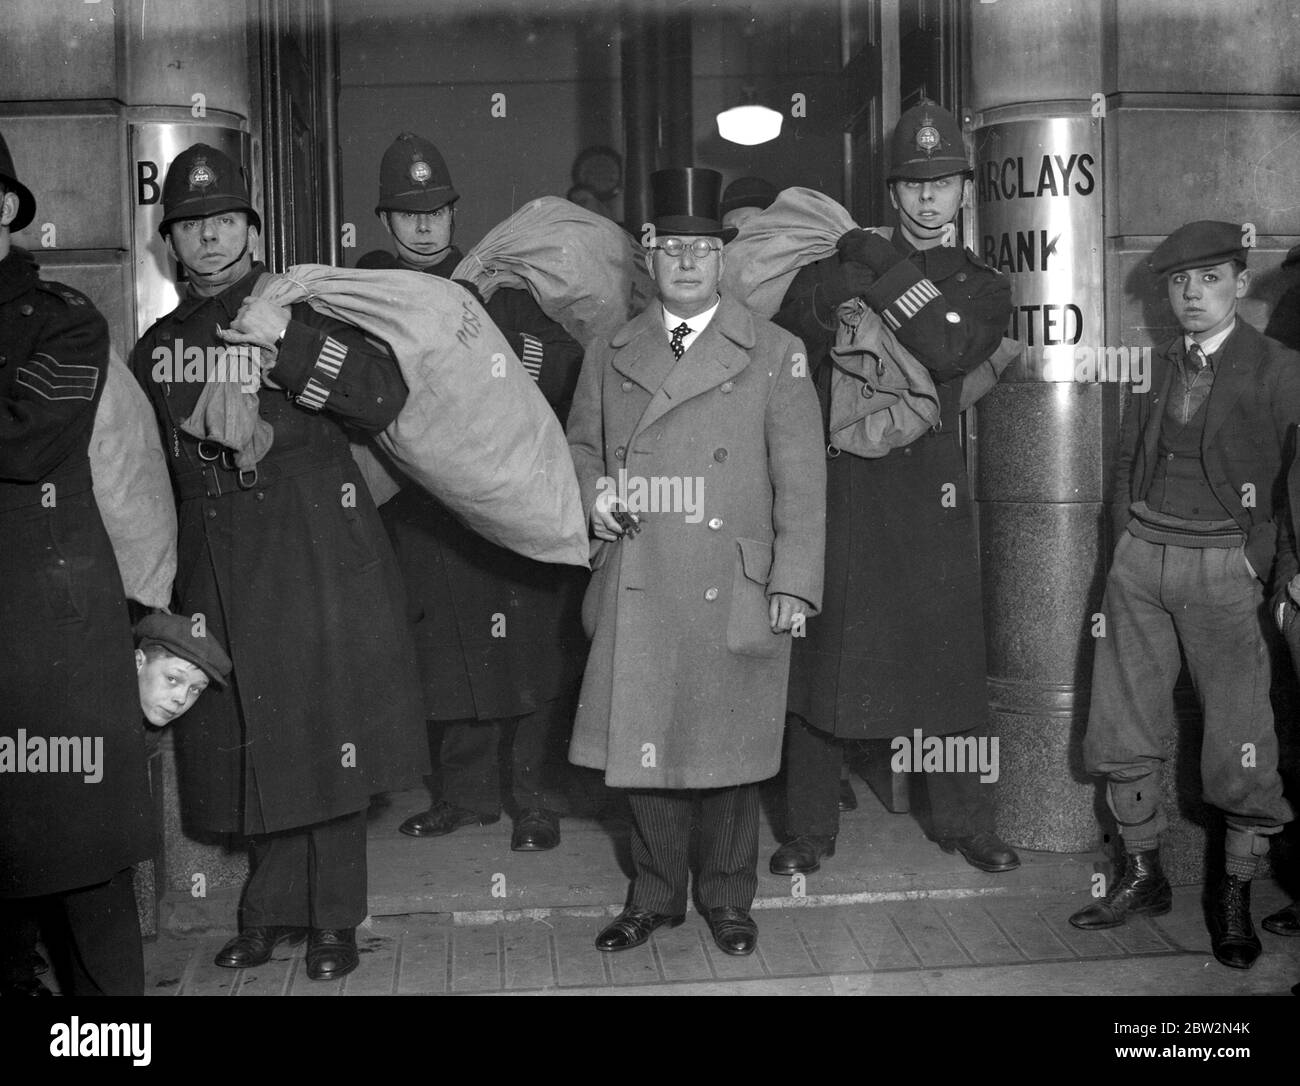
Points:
[1196,358]
[678,334]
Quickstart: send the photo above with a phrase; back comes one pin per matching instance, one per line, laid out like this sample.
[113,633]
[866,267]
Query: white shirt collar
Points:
[1212,344]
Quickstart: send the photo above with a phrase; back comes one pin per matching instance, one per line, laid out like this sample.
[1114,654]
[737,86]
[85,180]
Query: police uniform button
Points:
[715,523]
[952,318]
[260,495]
[720,455]
[961,277]
[620,453]
[27,310]
[627,386]
[710,594]
[1169,456]
[212,514]
[726,386]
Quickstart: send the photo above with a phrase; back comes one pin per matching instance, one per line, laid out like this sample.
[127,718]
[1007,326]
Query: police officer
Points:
[69,833]
[499,636]
[899,644]
[287,564]
[744,198]
[1196,514]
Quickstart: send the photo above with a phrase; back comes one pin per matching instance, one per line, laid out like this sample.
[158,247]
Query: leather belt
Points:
[220,477]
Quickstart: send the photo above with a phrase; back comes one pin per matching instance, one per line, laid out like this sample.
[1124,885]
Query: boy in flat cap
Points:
[174,665]
[1195,508]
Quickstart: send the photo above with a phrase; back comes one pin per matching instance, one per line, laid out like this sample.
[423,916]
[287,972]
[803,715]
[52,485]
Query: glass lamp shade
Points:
[749,124]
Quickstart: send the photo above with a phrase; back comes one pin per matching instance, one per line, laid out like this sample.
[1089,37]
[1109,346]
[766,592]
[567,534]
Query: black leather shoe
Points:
[985,850]
[443,818]
[536,830]
[1232,935]
[632,928]
[802,855]
[848,798]
[29,986]
[1142,890]
[331,953]
[253,946]
[1284,921]
[733,930]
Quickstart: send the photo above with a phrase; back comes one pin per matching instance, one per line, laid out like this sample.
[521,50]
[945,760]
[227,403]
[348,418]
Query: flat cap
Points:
[1198,245]
[176,634]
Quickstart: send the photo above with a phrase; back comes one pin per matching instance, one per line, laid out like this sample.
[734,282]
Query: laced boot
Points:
[1142,891]
[1232,935]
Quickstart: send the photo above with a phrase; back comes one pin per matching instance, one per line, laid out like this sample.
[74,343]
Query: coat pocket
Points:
[749,632]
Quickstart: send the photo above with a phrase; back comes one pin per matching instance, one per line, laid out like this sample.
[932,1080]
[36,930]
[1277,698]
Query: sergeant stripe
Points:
[910,302]
[330,359]
[532,359]
[313,397]
[55,380]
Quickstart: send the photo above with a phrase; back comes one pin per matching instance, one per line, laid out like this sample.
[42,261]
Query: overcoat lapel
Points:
[718,354]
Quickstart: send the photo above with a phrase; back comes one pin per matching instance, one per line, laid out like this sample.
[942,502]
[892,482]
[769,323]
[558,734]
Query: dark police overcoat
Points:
[67,668]
[293,572]
[497,634]
[900,640]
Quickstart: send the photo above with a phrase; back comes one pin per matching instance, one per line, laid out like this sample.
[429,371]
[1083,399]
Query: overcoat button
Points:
[620,452]
[961,277]
[715,523]
[627,386]
[27,311]
[710,594]
[720,455]
[212,514]
[260,495]
[726,386]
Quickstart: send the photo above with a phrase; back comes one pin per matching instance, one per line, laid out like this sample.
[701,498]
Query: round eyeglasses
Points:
[700,247]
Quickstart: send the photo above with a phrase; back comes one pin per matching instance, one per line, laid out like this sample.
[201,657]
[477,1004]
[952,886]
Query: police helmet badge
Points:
[421,172]
[201,174]
[927,137]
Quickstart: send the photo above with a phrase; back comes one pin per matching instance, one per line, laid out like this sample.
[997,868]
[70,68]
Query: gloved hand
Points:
[847,280]
[865,247]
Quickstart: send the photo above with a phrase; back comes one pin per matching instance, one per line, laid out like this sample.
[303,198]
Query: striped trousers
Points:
[727,867]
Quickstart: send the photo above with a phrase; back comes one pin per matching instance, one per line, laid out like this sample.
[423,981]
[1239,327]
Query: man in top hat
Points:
[484,692]
[900,562]
[287,564]
[744,198]
[74,793]
[696,440]
[1196,512]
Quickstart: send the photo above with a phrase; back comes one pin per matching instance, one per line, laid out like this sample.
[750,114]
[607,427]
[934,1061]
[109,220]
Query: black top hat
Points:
[26,201]
[685,202]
